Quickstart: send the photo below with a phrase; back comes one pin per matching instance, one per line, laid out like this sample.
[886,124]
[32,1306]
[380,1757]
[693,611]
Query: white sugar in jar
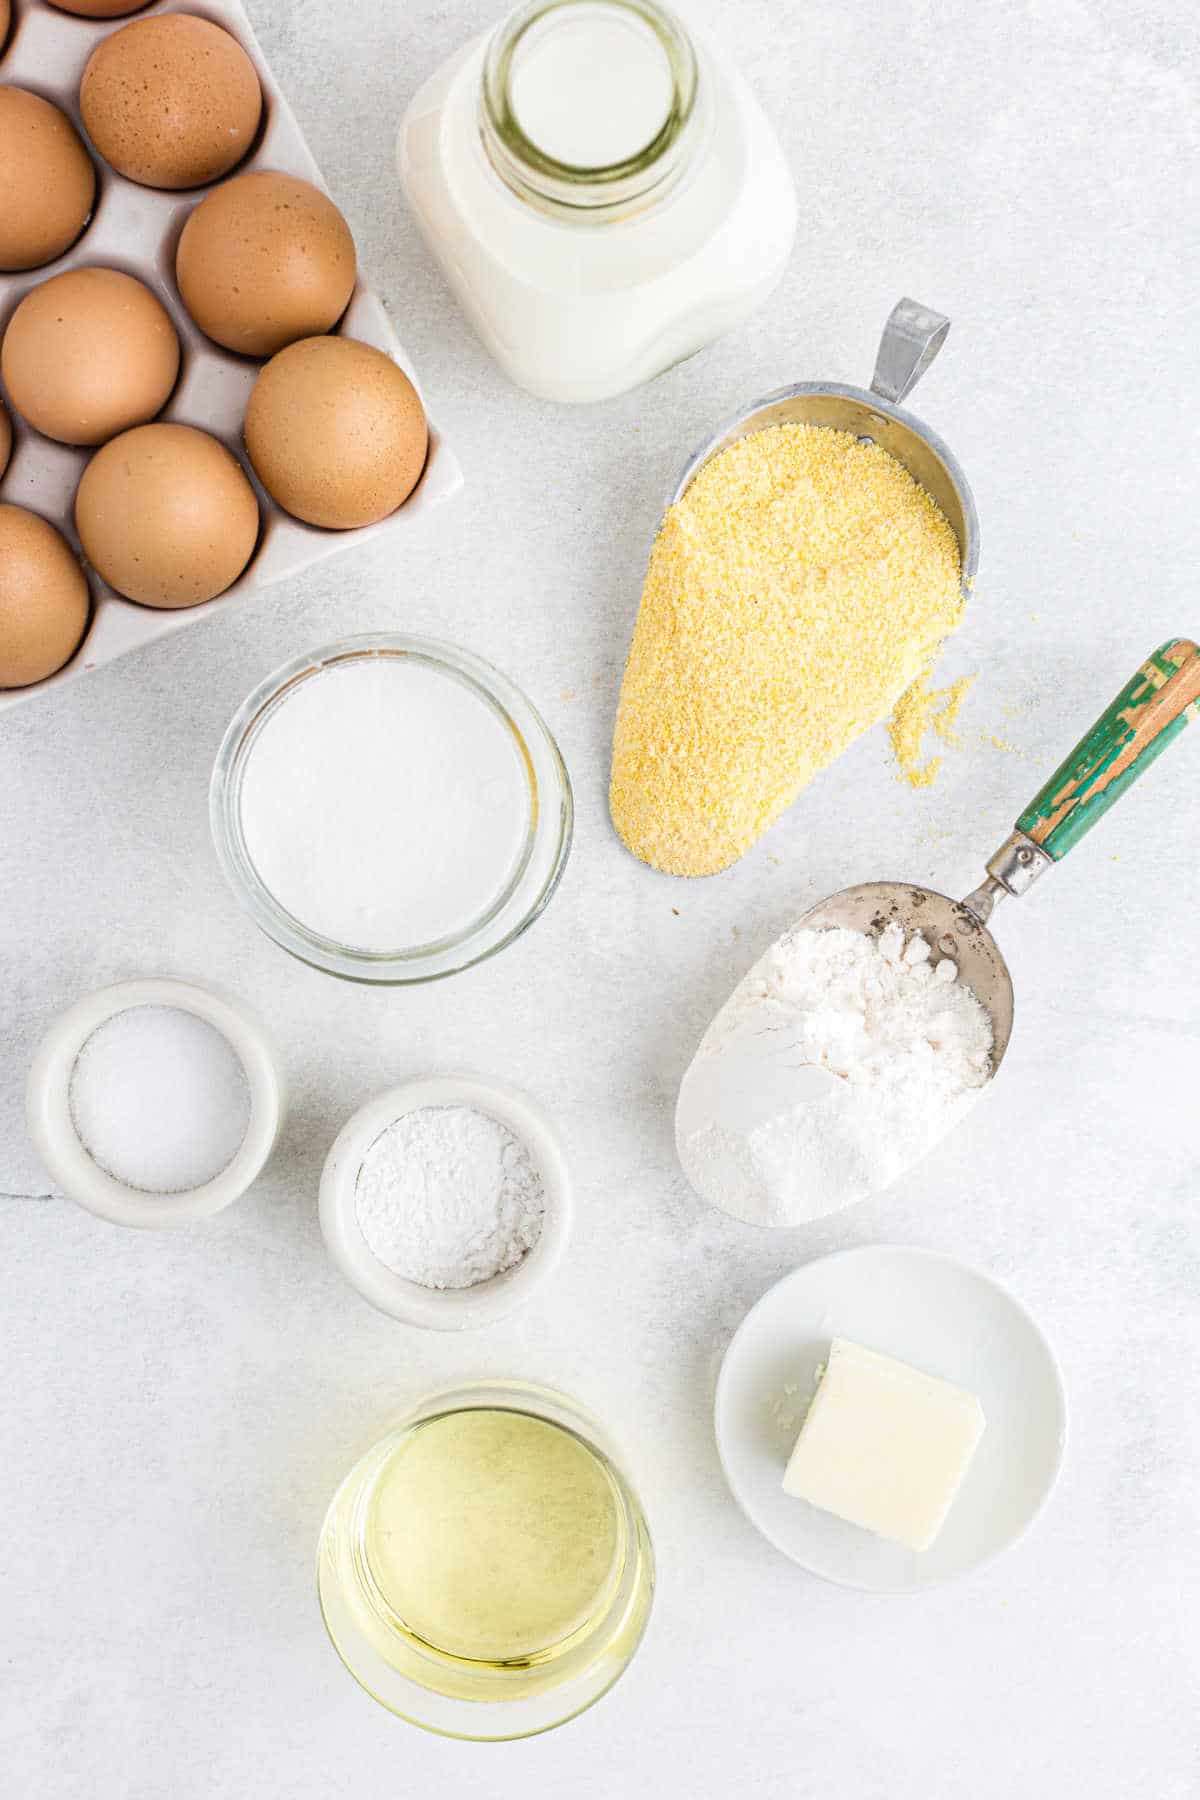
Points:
[602,190]
[384,805]
[391,809]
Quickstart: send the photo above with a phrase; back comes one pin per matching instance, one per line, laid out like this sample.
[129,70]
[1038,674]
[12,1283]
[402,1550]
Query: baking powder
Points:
[385,805]
[159,1099]
[447,1196]
[909,1047]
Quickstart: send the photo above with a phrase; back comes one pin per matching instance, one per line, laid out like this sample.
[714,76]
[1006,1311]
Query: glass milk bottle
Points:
[601,190]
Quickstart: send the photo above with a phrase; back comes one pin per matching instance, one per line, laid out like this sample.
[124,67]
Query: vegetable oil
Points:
[485,1570]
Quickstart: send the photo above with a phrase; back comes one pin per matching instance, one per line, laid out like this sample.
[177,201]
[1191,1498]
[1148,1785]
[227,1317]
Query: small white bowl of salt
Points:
[154,1102]
[446,1202]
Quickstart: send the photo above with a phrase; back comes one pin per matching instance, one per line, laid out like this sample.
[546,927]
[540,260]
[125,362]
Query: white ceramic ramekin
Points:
[48,1108]
[442,1309]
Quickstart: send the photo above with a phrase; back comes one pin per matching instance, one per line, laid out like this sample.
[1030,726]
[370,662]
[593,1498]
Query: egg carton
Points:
[136,229]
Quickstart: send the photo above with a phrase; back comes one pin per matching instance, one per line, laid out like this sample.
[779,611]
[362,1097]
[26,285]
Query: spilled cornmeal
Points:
[920,709]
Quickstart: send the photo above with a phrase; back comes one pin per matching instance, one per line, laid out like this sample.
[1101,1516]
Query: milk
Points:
[584,296]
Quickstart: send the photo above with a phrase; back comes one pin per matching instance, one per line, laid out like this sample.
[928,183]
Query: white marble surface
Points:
[177,1408]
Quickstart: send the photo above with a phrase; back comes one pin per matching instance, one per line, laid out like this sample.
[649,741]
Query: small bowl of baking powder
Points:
[446,1201]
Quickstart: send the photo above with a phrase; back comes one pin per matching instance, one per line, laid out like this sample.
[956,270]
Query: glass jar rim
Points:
[532,883]
[574,190]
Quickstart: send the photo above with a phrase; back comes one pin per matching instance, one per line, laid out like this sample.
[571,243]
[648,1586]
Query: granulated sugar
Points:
[385,804]
[906,1050]
[159,1099]
[447,1196]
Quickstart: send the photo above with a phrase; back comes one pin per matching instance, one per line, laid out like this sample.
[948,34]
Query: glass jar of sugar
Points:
[391,809]
[602,190]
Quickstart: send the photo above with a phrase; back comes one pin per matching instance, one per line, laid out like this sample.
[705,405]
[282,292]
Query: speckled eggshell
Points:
[166,515]
[100,9]
[171,101]
[47,182]
[87,354]
[265,259]
[336,432]
[43,599]
[5,440]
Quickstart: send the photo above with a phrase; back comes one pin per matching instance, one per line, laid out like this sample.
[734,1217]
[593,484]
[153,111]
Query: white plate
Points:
[940,1316]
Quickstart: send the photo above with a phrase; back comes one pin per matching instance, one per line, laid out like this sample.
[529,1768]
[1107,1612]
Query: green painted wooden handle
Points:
[1146,715]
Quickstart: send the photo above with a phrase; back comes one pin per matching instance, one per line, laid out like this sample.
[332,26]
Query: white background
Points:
[178,1408]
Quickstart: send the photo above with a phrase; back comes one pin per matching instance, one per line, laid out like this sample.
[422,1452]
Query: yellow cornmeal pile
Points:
[800,586]
[920,709]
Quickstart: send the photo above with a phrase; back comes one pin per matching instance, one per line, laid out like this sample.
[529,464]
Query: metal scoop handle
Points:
[911,339]
[1149,713]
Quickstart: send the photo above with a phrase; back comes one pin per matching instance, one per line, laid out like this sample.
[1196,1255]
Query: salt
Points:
[447,1196]
[159,1099]
[385,805]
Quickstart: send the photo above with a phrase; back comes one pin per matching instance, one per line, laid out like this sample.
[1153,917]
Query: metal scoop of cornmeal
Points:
[1149,712]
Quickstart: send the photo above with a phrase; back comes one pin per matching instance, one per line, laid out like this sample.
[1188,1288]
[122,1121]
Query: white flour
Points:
[384,804]
[448,1197]
[910,1042]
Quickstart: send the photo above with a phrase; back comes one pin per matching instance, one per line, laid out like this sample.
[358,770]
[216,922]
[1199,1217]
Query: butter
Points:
[884,1446]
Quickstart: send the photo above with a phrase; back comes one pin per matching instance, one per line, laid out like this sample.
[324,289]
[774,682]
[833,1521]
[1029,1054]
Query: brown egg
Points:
[5,440]
[43,599]
[47,182]
[336,432]
[5,22]
[100,9]
[172,101]
[264,260]
[89,353]
[166,515]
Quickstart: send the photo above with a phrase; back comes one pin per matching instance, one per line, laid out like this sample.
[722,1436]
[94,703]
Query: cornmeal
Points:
[920,709]
[803,582]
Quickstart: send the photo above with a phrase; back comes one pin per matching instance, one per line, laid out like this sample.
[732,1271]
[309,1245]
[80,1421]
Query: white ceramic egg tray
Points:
[136,229]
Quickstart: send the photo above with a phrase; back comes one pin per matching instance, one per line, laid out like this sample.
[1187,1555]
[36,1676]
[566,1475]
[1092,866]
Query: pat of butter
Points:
[884,1445]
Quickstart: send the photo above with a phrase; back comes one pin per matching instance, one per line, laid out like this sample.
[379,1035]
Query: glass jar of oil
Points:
[485,1570]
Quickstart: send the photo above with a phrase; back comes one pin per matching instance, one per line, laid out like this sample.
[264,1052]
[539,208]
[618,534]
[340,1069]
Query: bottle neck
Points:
[591,110]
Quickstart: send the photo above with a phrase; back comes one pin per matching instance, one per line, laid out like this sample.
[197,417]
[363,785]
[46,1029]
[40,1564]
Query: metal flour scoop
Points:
[759,1073]
[1151,709]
